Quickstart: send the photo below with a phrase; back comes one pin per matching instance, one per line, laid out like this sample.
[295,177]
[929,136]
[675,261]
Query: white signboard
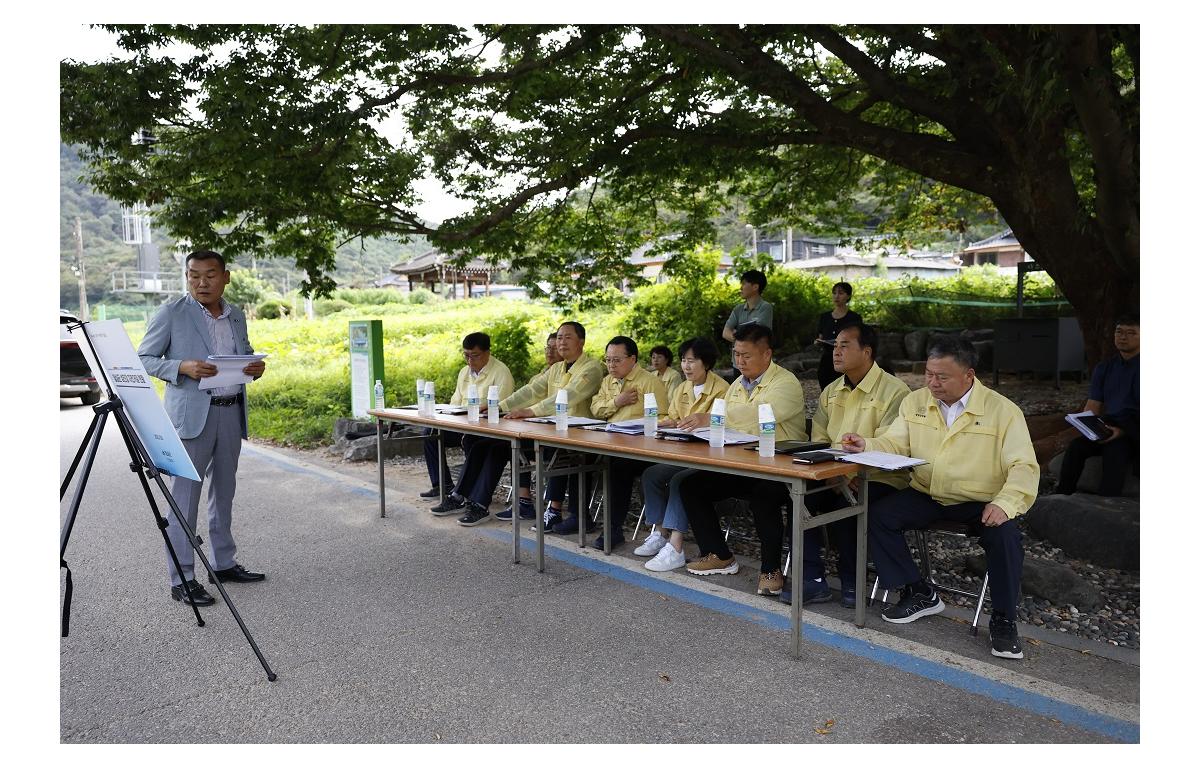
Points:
[132,384]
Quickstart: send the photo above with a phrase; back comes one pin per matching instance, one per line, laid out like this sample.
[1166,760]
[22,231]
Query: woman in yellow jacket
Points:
[689,408]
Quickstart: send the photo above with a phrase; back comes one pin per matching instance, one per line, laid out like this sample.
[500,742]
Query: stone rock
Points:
[891,346]
[342,427]
[794,365]
[1050,581]
[1102,530]
[984,350]
[1093,472]
[978,334]
[914,344]
[918,367]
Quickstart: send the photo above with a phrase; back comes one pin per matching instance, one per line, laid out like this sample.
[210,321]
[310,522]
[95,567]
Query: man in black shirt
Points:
[1115,395]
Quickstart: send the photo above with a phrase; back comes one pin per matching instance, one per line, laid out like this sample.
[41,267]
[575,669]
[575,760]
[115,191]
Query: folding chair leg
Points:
[923,554]
[874,589]
[787,562]
[979,605]
[637,526]
[728,528]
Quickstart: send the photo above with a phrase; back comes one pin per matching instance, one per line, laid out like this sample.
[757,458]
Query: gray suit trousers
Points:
[215,453]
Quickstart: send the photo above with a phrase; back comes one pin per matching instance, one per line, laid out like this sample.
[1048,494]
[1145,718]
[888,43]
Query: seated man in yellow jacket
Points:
[580,376]
[762,381]
[621,397]
[865,400]
[980,470]
[483,371]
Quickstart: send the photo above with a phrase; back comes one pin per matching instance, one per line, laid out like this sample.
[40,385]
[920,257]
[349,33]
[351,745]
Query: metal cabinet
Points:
[1040,345]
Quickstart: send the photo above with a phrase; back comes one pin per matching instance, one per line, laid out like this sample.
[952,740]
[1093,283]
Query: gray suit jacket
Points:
[176,333]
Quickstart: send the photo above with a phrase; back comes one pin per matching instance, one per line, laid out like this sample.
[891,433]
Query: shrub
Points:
[423,296]
[326,307]
[511,343]
[370,296]
[272,309]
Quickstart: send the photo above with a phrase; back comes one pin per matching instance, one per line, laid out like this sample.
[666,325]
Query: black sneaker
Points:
[452,505]
[474,516]
[571,525]
[913,605]
[524,509]
[550,518]
[432,493]
[1006,643]
[617,541]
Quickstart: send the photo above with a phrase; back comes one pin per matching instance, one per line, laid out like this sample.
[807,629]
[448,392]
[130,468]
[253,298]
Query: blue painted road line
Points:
[1070,714]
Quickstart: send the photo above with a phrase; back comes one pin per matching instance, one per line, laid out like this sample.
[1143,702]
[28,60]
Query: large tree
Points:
[575,144]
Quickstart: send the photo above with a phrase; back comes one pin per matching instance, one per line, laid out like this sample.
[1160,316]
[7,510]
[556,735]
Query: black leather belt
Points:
[227,400]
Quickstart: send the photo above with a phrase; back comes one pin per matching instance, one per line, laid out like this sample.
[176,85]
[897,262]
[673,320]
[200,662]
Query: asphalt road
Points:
[413,629]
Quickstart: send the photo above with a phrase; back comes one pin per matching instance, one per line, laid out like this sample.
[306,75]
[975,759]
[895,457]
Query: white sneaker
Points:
[667,559]
[651,546]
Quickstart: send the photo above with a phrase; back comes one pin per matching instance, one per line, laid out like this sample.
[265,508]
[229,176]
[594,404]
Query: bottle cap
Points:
[718,407]
[472,392]
[650,400]
[765,413]
[429,387]
[561,397]
[420,385]
[494,392]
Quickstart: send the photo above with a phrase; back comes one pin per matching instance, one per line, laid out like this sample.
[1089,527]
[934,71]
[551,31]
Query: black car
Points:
[77,379]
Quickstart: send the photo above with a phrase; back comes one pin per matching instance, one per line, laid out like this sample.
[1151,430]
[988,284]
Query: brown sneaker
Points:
[770,583]
[711,564]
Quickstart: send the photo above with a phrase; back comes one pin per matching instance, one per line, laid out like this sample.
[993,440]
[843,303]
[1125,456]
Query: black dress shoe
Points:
[237,573]
[432,493]
[198,594]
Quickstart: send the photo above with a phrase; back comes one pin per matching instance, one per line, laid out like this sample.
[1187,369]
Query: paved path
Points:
[413,629]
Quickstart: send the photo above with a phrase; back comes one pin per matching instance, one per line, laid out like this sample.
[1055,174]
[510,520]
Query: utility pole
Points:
[83,304]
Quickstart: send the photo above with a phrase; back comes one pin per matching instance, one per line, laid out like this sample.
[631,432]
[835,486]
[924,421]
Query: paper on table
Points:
[229,370]
[881,460]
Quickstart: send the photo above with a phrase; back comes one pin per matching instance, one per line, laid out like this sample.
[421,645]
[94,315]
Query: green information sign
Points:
[366,364]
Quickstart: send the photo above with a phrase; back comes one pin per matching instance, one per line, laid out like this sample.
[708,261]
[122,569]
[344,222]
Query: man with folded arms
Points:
[483,371]
[621,397]
[864,400]
[762,381]
[980,470]
[580,375]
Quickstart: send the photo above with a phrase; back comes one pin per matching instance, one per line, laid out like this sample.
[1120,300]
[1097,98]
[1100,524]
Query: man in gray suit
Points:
[211,423]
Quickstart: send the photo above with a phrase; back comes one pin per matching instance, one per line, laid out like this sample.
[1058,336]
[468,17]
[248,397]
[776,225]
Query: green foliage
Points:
[512,343]
[370,296]
[245,289]
[423,296]
[326,307]
[272,309]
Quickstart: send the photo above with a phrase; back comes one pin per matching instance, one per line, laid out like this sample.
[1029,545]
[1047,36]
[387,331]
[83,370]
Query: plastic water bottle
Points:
[472,404]
[650,415]
[378,393]
[560,411]
[766,431]
[429,410]
[420,397]
[716,424]
[493,404]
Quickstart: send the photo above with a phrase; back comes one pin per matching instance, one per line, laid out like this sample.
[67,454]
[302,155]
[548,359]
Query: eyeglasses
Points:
[615,360]
[472,355]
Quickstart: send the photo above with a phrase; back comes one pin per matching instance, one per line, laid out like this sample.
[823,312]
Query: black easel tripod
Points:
[143,467]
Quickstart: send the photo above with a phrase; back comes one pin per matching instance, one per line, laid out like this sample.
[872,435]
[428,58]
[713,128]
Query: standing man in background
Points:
[211,423]
[754,310]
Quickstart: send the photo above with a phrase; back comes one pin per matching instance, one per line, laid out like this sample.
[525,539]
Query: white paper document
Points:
[628,427]
[881,460]
[229,370]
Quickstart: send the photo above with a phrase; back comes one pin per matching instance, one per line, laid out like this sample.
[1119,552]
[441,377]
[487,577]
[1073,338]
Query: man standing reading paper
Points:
[980,470]
[211,423]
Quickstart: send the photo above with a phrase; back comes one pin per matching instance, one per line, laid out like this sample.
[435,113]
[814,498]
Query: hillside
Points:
[104,252]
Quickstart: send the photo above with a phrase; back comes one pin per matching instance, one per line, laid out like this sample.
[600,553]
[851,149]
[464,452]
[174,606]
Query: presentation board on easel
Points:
[124,369]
